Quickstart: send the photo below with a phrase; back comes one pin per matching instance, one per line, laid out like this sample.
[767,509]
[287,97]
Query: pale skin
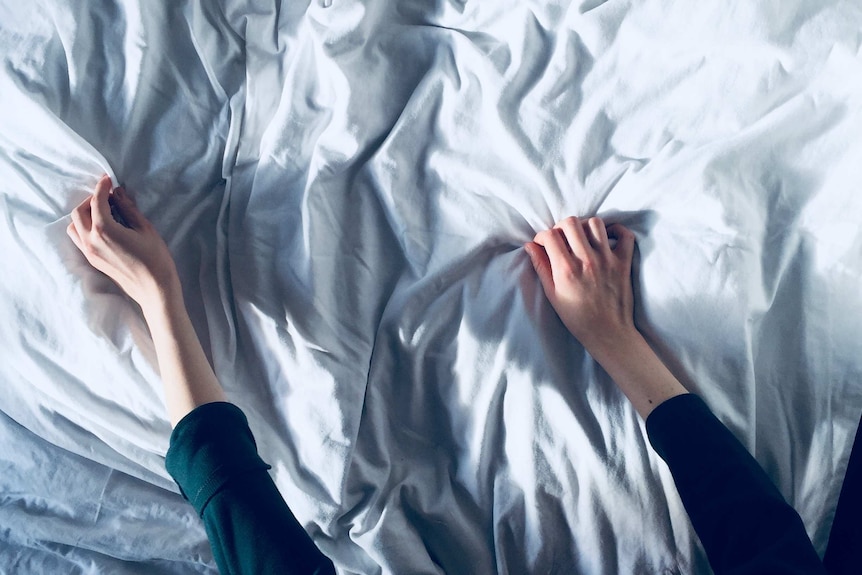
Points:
[589,285]
[586,281]
[139,261]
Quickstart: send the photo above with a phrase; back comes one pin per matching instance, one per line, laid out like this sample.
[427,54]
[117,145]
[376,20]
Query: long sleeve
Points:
[744,523]
[213,458]
[844,551]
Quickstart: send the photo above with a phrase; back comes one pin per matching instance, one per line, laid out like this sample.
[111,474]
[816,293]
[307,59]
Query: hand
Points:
[587,282]
[131,253]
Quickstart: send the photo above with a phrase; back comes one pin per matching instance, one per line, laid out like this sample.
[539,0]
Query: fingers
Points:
[575,236]
[81,218]
[625,242]
[101,207]
[91,218]
[557,251]
[573,241]
[585,236]
[542,265]
[128,209]
[73,235]
[597,234]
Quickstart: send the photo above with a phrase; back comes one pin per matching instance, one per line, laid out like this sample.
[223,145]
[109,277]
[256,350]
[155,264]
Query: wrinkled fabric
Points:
[346,187]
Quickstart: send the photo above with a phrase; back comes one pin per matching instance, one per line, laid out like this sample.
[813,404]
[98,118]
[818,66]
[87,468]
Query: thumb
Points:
[542,265]
[100,205]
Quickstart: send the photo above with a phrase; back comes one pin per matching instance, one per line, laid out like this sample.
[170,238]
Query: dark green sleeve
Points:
[844,552]
[743,521]
[213,458]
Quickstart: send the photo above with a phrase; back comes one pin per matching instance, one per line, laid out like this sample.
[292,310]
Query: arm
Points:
[589,285]
[136,257]
[188,378]
[744,523]
[212,456]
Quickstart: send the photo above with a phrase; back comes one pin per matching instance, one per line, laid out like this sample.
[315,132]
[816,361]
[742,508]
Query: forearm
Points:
[118,240]
[186,373]
[638,372]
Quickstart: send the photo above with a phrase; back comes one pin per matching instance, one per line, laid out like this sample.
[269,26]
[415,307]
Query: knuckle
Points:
[566,271]
[100,235]
[567,279]
[569,221]
[94,243]
[595,263]
[89,247]
[596,221]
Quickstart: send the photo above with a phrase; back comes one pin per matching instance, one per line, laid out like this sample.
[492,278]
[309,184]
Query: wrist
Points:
[614,347]
[162,302]
[639,373]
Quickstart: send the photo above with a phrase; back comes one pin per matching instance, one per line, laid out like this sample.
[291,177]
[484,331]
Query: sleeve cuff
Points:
[208,447]
[680,419]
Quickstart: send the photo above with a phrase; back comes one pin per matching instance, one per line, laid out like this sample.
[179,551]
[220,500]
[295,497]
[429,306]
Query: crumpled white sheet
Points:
[346,186]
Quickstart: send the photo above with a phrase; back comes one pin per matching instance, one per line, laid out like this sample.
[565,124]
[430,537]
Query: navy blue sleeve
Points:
[213,458]
[744,524]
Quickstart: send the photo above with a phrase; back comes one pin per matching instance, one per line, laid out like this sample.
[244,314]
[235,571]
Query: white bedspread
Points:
[346,187]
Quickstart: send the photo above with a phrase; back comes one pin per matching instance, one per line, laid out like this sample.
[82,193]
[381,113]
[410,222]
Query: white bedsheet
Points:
[346,187]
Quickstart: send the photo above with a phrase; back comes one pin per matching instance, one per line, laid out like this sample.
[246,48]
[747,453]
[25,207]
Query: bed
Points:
[346,187]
